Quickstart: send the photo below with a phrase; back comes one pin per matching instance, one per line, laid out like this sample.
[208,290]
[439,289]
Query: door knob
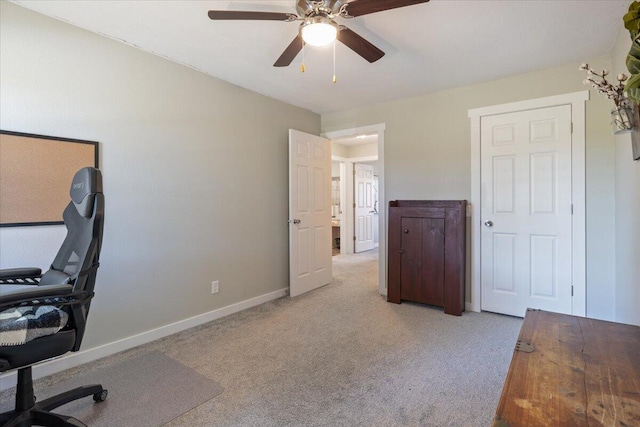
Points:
[488,223]
[295,221]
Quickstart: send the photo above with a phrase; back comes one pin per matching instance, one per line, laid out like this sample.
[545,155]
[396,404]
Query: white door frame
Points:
[346,203]
[578,190]
[382,224]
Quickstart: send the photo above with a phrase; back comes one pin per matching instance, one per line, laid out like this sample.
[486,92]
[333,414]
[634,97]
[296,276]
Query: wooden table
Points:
[572,371]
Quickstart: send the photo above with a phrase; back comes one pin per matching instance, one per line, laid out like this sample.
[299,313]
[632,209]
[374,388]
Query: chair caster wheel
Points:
[101,397]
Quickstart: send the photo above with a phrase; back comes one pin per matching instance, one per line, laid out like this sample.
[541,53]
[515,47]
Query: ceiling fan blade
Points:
[359,45]
[290,53]
[364,7]
[256,16]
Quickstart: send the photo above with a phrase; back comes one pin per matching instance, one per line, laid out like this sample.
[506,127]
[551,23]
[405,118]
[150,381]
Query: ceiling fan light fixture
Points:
[319,31]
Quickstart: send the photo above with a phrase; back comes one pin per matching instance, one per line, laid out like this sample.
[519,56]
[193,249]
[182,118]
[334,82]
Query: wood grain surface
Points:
[581,372]
[427,253]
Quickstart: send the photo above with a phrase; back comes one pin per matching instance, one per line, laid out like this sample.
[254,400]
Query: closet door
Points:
[526,236]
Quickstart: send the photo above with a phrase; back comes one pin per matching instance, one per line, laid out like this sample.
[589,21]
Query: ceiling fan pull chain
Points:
[334,62]
[302,69]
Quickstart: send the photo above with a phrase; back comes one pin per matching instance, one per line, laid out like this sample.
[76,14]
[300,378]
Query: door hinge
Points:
[354,238]
[524,347]
[354,205]
[571,127]
[571,290]
[571,208]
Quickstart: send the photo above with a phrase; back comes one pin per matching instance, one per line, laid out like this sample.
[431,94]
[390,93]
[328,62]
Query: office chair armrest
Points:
[17,295]
[20,276]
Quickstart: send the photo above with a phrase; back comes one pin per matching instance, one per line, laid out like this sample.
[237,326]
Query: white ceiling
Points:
[429,47]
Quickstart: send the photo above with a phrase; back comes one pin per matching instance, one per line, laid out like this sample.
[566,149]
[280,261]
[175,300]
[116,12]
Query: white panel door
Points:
[526,211]
[365,209]
[309,212]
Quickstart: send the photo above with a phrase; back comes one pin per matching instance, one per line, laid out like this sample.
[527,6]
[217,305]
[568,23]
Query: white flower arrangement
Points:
[621,115]
[613,92]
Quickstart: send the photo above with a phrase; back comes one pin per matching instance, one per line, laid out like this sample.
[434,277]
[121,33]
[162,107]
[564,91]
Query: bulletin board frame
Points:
[35,175]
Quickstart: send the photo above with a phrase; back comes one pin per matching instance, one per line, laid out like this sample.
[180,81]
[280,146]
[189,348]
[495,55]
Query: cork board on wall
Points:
[35,176]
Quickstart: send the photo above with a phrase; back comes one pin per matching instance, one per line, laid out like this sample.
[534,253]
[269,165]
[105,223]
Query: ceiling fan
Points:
[318,26]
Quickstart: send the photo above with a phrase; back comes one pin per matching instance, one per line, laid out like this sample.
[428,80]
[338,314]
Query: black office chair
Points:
[66,287]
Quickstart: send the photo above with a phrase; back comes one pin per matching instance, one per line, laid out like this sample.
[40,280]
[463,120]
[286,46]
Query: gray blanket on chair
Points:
[23,324]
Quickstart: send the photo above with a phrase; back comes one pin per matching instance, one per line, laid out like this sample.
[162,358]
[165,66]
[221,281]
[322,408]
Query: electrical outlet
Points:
[215,287]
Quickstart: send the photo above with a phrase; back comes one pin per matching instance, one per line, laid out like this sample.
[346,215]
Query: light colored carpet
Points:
[343,356]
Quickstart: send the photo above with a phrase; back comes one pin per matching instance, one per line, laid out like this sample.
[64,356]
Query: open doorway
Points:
[353,150]
[354,191]
[355,206]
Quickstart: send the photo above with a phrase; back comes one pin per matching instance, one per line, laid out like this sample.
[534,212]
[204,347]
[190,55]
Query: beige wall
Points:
[354,151]
[363,150]
[627,210]
[339,150]
[427,155]
[195,172]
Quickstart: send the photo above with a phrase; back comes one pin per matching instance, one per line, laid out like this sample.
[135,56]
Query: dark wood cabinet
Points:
[427,253]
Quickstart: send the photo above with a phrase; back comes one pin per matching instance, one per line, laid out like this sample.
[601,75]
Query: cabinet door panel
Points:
[411,264]
[433,261]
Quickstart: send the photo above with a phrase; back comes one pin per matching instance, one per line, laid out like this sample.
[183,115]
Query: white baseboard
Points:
[71,360]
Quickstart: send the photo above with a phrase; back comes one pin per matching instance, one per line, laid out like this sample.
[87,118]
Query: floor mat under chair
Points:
[145,390]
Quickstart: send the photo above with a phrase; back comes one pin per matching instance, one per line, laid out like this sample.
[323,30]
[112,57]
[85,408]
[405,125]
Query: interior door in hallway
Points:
[309,212]
[365,209]
[526,258]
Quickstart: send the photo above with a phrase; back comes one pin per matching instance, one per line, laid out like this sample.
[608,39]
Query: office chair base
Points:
[37,417]
[28,412]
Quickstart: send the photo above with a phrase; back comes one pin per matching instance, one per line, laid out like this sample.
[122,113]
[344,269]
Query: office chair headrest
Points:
[86,183]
